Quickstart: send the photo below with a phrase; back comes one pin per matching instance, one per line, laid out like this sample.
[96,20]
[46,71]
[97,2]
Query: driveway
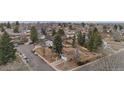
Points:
[35,62]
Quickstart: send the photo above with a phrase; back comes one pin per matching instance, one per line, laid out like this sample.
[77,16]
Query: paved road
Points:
[36,63]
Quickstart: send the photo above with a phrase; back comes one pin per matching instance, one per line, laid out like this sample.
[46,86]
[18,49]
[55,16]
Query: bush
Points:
[82,63]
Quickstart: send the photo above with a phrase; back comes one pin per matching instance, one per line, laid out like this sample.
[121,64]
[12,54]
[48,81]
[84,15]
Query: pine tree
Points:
[43,31]
[34,34]
[120,27]
[61,32]
[53,32]
[7,51]
[95,40]
[70,27]
[16,29]
[83,24]
[74,41]
[8,25]
[81,38]
[115,27]
[17,23]
[57,44]
[2,28]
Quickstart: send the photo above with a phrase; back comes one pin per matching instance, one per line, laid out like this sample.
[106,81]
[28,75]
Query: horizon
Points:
[110,22]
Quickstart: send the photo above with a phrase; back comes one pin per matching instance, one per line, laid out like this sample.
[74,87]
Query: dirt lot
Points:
[47,54]
[85,55]
[14,66]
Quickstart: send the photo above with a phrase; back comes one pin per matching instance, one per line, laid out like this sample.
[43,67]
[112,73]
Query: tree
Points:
[53,32]
[115,27]
[2,28]
[104,28]
[81,38]
[34,34]
[74,41]
[8,25]
[83,24]
[7,51]
[61,32]
[95,40]
[120,27]
[43,31]
[70,27]
[16,29]
[57,44]
[17,23]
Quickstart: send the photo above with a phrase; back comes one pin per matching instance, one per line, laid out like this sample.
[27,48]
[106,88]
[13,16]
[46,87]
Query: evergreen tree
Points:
[70,27]
[95,40]
[120,27]
[7,51]
[74,41]
[17,23]
[43,31]
[16,29]
[61,32]
[8,25]
[115,27]
[83,24]
[2,28]
[53,32]
[104,28]
[34,34]
[57,44]
[81,38]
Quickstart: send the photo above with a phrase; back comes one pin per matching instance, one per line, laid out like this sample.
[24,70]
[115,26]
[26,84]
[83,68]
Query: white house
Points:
[49,43]
[69,34]
[42,37]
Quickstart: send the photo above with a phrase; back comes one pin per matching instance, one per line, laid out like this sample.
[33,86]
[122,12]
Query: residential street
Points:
[35,62]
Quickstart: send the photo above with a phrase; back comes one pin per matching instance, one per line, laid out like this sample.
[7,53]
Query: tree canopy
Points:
[17,22]
[8,25]
[16,29]
[61,32]
[7,51]
[74,41]
[57,44]
[81,38]
[34,34]
[95,40]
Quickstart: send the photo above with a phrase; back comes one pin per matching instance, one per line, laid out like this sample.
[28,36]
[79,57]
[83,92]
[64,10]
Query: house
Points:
[49,43]
[42,37]
[69,33]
